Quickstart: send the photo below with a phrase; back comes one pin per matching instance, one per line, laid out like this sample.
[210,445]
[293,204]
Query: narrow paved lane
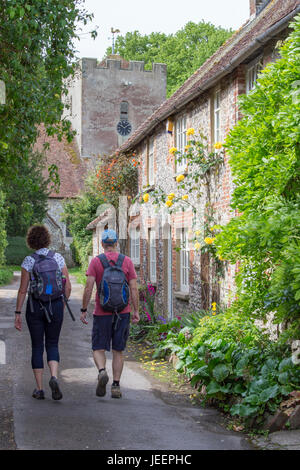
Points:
[142,419]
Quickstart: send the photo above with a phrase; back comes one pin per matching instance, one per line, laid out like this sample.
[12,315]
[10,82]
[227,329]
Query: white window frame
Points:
[217,116]
[152,255]
[135,243]
[181,141]
[151,175]
[252,72]
[184,260]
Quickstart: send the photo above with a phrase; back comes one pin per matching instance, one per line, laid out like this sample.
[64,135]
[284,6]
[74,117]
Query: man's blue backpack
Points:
[113,290]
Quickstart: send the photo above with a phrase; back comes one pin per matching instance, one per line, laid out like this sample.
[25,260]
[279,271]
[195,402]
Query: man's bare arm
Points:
[134,292]
[87,294]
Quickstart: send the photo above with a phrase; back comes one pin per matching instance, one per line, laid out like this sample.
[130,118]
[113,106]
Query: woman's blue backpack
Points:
[113,290]
[46,278]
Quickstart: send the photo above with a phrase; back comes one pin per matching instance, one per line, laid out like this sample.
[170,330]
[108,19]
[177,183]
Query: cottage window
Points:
[180,132]
[151,162]
[184,260]
[135,245]
[152,258]
[217,116]
[252,73]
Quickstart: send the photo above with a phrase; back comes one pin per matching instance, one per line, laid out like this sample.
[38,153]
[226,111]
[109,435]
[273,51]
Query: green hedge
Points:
[6,274]
[16,250]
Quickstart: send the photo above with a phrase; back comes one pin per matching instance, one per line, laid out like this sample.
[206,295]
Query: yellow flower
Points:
[197,246]
[190,131]
[220,258]
[218,145]
[169,203]
[185,197]
[146,197]
[179,178]
[209,240]
[173,150]
[214,306]
[197,233]
[214,312]
[187,147]
[171,196]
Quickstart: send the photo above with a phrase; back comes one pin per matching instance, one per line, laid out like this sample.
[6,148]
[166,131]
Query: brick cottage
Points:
[185,279]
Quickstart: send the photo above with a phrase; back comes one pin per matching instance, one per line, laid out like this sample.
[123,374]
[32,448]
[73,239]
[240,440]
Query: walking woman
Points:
[46,275]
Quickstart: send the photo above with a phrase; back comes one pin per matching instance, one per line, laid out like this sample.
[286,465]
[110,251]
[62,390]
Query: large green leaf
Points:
[244,410]
[220,372]
[269,393]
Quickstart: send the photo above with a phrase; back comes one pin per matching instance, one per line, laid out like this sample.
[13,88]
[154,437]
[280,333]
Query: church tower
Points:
[109,100]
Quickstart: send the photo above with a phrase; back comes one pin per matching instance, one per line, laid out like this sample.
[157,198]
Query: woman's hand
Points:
[18,322]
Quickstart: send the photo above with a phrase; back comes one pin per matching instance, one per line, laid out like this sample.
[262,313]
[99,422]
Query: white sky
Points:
[166,16]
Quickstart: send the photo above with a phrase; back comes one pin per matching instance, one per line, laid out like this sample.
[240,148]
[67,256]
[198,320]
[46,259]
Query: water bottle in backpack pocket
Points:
[113,290]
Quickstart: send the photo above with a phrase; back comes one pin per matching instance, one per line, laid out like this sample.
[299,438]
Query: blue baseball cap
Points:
[109,237]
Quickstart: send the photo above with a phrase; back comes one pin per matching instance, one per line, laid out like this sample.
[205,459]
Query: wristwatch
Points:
[19,313]
[83,310]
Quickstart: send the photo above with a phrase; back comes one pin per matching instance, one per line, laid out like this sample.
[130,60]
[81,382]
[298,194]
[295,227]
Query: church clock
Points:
[124,127]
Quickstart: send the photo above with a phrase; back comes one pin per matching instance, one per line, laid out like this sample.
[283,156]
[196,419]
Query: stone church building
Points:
[107,102]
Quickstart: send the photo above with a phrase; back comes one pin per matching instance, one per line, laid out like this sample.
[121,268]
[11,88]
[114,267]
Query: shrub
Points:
[233,364]
[16,250]
[265,161]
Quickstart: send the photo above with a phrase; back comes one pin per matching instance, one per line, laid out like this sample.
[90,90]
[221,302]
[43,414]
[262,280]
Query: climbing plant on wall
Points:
[265,162]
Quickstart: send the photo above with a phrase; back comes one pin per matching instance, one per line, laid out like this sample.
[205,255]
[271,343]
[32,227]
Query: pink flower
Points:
[148,316]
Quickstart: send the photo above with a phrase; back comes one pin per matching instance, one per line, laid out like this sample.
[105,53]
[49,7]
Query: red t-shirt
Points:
[95,269]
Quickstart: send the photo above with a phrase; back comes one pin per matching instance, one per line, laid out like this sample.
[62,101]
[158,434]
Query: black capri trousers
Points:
[44,334]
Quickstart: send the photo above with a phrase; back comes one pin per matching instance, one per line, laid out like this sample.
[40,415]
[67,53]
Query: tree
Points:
[36,57]
[265,161]
[114,177]
[183,52]
[78,213]
[26,195]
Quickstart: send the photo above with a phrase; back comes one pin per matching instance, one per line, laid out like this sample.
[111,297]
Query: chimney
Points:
[256,6]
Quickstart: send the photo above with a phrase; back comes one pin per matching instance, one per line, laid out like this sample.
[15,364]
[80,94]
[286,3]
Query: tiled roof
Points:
[70,167]
[98,219]
[223,61]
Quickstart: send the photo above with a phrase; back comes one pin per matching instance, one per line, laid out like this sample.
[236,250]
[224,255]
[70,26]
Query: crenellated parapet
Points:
[89,64]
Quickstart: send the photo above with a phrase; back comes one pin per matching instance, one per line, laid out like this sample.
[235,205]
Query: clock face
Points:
[124,128]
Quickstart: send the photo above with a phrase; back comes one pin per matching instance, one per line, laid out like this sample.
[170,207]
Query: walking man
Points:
[110,323]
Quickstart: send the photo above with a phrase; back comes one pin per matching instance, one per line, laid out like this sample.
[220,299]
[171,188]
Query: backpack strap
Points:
[120,260]
[104,260]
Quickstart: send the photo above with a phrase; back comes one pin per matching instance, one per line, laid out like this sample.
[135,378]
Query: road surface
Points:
[144,419]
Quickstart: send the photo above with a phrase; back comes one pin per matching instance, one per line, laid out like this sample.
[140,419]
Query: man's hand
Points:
[135,317]
[83,318]
[18,322]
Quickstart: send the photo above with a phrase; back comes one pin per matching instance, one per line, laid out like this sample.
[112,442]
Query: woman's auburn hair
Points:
[38,236]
